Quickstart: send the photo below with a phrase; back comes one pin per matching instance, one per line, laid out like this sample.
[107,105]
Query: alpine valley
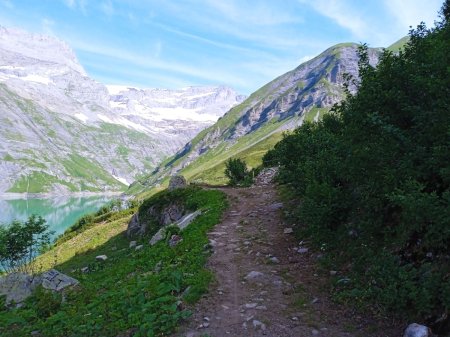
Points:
[61,131]
[251,128]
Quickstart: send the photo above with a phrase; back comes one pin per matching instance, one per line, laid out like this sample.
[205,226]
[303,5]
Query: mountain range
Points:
[62,131]
[249,129]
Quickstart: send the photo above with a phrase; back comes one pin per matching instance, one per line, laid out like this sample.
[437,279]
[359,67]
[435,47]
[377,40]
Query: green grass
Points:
[124,293]
[91,172]
[37,182]
[398,45]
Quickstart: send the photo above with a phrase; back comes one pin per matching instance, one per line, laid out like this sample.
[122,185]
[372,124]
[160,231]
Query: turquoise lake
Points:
[59,212]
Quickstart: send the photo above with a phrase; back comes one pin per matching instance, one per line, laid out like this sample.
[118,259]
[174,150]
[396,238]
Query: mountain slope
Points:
[305,93]
[62,131]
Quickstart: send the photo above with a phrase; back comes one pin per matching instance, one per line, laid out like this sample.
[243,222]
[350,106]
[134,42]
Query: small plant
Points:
[237,172]
[20,242]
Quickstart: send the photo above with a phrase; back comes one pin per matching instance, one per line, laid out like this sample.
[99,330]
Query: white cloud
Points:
[412,12]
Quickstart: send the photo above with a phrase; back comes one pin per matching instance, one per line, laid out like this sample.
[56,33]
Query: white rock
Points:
[302,250]
[416,330]
[251,305]
[101,257]
[288,231]
[259,325]
[133,244]
[139,247]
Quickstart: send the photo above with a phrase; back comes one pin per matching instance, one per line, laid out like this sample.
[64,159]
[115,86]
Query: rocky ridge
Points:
[63,131]
[305,93]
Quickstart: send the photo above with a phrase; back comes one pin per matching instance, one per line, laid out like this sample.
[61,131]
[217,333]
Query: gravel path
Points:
[264,286]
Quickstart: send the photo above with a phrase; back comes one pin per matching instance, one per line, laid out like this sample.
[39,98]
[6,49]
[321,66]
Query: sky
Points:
[239,43]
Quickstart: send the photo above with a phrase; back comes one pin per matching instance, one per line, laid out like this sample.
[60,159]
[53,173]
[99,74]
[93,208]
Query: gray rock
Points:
[288,231]
[18,286]
[135,227]
[187,219]
[302,250]
[84,269]
[417,330]
[251,305]
[56,281]
[259,325]
[182,223]
[254,275]
[139,247]
[133,244]
[101,257]
[177,182]
[174,240]
[274,259]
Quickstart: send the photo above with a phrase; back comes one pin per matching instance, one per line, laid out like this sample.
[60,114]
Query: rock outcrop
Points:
[68,127]
[17,287]
[177,182]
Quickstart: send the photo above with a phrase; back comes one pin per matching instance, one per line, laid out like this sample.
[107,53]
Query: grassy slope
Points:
[398,45]
[123,292]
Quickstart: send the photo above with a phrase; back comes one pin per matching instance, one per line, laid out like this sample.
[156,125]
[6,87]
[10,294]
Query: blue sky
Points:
[240,43]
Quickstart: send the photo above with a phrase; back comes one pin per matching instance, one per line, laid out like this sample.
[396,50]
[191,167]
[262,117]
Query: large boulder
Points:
[177,182]
[56,281]
[182,223]
[18,286]
[168,215]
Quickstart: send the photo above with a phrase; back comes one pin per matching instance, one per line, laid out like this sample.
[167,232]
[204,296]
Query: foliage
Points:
[374,177]
[20,242]
[144,292]
[237,172]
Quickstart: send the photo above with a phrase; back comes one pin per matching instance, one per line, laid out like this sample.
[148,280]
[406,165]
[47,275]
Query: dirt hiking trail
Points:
[264,286]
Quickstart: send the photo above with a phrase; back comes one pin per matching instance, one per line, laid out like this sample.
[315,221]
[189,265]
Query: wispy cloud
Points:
[412,12]
[107,8]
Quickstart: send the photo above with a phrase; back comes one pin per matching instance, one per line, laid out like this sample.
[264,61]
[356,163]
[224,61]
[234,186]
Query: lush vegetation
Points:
[145,292]
[374,180]
[20,242]
[237,172]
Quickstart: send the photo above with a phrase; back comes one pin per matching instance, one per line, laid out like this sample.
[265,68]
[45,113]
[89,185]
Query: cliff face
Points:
[304,93]
[62,131]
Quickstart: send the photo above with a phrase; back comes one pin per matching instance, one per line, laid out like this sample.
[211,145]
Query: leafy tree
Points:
[20,242]
[237,172]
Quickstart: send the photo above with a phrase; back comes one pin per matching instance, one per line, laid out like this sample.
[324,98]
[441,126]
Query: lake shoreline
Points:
[14,196]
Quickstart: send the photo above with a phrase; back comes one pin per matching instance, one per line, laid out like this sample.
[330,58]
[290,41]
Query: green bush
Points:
[374,179]
[237,172]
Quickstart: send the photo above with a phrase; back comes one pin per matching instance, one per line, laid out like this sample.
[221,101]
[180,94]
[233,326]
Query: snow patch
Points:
[82,117]
[122,180]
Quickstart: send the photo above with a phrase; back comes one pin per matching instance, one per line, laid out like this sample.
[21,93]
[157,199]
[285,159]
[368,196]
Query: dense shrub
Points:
[237,172]
[374,178]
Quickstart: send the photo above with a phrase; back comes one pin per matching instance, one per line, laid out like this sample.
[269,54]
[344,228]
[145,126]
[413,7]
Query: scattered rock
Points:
[254,275]
[133,244]
[182,223]
[315,332]
[294,318]
[84,269]
[56,281]
[139,247]
[177,182]
[261,307]
[333,272]
[258,325]
[417,330]
[158,267]
[101,257]
[251,305]
[288,231]
[266,176]
[276,206]
[274,259]
[302,250]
